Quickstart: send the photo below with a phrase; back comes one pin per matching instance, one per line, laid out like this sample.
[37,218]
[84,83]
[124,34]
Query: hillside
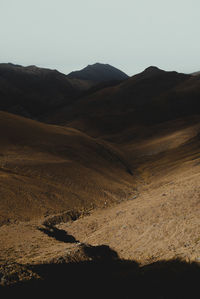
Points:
[46,169]
[34,92]
[148,98]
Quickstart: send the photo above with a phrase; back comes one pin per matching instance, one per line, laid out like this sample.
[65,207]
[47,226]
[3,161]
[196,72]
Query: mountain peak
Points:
[153,69]
[101,65]
[99,72]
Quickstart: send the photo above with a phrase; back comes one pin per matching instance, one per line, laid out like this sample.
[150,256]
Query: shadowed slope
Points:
[147,98]
[46,168]
[34,92]
[152,118]
[104,274]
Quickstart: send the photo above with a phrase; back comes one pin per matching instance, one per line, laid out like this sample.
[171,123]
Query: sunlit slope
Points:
[48,169]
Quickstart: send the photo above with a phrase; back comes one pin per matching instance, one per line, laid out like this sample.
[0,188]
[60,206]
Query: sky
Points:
[131,35]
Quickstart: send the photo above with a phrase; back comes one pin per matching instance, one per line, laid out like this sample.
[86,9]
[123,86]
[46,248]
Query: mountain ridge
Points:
[33,91]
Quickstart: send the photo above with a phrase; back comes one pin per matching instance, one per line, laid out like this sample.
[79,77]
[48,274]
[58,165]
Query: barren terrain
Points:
[160,223]
[108,195]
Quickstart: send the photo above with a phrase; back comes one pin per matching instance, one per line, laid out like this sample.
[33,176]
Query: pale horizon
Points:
[130,36]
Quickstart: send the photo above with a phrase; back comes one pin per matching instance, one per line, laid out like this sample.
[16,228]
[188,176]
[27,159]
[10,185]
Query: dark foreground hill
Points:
[102,271]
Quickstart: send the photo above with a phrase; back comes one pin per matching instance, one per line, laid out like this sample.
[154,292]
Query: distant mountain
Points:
[99,72]
[148,98]
[195,73]
[151,71]
[33,92]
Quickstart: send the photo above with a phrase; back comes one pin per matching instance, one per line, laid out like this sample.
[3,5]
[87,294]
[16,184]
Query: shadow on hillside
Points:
[58,234]
[108,276]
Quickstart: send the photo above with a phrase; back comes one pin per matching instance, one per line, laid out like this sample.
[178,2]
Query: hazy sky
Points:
[128,34]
